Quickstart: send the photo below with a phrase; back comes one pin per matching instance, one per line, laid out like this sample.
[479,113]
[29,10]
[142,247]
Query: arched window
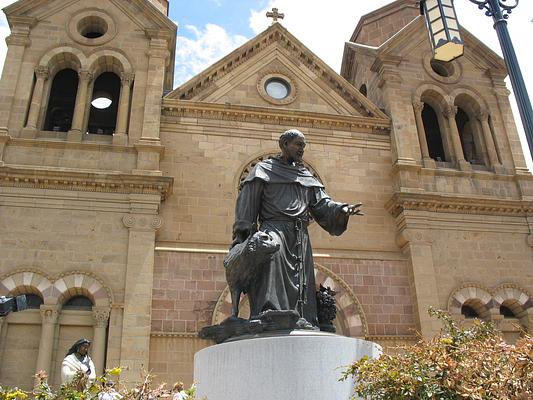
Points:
[33,301]
[475,308]
[469,312]
[78,303]
[104,104]
[506,312]
[433,133]
[62,100]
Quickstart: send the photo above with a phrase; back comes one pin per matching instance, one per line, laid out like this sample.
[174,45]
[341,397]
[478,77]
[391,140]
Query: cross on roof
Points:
[275,15]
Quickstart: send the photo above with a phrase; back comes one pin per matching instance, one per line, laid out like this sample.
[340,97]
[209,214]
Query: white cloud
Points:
[322,29]
[325,29]
[209,45]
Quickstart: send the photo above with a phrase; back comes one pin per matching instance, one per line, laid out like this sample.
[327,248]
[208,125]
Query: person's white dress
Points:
[180,396]
[71,365]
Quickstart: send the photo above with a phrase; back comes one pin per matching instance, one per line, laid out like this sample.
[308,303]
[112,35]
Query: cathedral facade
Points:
[115,218]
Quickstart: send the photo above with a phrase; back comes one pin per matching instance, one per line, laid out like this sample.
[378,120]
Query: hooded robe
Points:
[278,198]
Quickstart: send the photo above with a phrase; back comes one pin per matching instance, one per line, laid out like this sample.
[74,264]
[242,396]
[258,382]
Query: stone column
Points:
[136,324]
[449,113]
[155,79]
[16,46]
[415,244]
[426,159]
[42,74]
[101,318]
[513,160]
[483,118]
[82,96]
[120,136]
[2,319]
[49,316]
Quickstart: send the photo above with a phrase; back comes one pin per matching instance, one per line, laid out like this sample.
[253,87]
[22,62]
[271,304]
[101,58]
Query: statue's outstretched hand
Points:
[353,209]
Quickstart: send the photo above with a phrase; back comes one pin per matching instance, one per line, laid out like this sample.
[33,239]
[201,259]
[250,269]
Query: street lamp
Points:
[443,29]
[439,12]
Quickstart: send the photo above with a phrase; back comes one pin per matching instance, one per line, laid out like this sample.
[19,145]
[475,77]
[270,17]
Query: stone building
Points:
[114,219]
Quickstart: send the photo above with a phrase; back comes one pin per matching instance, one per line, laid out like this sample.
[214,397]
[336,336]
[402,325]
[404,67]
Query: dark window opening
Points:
[62,101]
[104,104]
[33,301]
[92,27]
[506,312]
[464,126]
[433,133]
[93,35]
[363,90]
[441,68]
[78,303]
[469,312]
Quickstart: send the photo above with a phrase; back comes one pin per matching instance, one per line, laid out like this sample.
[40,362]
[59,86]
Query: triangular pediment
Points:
[239,79]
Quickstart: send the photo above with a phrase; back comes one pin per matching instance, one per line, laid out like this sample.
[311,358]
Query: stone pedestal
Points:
[299,365]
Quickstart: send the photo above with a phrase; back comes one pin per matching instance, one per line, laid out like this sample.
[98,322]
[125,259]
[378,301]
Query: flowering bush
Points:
[80,388]
[473,363]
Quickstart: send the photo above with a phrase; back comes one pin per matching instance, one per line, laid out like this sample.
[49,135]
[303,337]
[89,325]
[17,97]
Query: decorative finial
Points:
[275,15]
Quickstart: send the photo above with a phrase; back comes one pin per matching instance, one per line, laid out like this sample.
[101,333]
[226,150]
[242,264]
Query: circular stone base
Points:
[300,365]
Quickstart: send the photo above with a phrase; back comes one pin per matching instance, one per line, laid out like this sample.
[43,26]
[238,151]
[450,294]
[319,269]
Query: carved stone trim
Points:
[418,106]
[291,82]
[87,182]
[180,108]
[100,317]
[142,222]
[447,204]
[450,111]
[482,115]
[49,314]
[42,72]
[127,78]
[98,15]
[85,76]
[191,335]
[453,78]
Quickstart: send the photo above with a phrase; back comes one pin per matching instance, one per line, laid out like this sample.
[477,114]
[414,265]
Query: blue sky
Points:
[231,14]
[210,29]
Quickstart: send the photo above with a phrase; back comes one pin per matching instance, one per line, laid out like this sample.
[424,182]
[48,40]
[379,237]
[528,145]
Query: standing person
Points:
[179,392]
[76,360]
[280,196]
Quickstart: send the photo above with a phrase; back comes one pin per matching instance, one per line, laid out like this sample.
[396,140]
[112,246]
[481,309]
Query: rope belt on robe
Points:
[299,223]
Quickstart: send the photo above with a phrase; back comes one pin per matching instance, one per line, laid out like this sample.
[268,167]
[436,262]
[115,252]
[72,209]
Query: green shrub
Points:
[460,363]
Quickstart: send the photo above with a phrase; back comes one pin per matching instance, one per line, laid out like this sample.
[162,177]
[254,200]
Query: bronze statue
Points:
[244,265]
[278,198]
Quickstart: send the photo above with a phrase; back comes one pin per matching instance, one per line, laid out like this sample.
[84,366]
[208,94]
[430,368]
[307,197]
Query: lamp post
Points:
[447,45]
